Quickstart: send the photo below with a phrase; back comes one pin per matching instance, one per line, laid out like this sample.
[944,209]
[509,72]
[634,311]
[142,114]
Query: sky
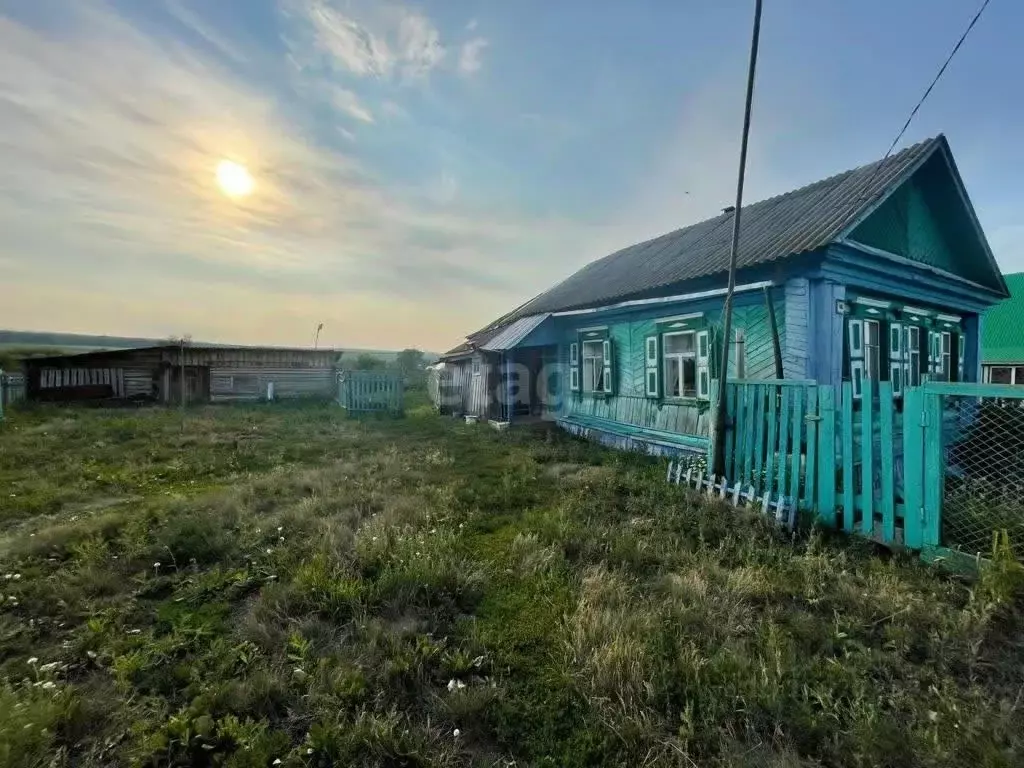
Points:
[421,168]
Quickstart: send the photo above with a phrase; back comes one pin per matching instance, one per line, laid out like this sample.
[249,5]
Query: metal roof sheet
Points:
[513,333]
[1002,335]
[796,222]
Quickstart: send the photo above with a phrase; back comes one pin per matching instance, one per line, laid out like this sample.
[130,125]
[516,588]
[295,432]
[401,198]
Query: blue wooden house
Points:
[880,273]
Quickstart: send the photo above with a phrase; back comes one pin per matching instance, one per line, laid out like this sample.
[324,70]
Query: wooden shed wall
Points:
[473,389]
[249,382]
[124,382]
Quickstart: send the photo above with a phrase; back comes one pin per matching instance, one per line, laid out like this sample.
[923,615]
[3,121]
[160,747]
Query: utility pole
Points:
[721,417]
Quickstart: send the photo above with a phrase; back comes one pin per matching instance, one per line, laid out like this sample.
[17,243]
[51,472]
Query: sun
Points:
[234,179]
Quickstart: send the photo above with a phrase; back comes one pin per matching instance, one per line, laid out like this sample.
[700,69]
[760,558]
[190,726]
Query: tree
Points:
[411,365]
[369,362]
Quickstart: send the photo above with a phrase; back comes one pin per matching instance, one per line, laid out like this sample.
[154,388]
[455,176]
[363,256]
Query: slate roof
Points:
[779,227]
[1002,334]
[513,333]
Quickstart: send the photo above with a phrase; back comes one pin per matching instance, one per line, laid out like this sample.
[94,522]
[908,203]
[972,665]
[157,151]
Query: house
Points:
[878,273]
[168,372]
[1002,337]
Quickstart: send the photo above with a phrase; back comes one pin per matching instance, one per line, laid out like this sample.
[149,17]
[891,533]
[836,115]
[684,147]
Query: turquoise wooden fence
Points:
[939,469]
[371,392]
[832,455]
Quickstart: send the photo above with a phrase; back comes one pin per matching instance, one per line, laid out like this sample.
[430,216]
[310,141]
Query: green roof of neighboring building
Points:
[1002,339]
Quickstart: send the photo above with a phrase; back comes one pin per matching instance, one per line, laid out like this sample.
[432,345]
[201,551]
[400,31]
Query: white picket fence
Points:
[779,507]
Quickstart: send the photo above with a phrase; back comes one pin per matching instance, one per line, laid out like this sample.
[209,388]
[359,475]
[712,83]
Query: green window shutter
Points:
[609,367]
[855,336]
[896,356]
[703,365]
[857,377]
[652,381]
[855,331]
[574,367]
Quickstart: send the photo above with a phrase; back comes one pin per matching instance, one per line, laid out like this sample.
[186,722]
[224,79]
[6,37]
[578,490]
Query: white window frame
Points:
[678,358]
[475,366]
[1015,380]
[946,356]
[598,365]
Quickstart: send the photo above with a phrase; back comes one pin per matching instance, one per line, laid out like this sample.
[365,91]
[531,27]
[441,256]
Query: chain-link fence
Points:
[983,494]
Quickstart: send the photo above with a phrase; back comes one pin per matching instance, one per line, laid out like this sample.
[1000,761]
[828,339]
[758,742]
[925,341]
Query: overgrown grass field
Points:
[258,586]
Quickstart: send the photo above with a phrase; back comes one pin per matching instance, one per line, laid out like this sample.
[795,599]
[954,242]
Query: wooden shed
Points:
[196,372]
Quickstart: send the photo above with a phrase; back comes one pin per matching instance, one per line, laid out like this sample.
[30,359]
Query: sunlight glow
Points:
[234,179]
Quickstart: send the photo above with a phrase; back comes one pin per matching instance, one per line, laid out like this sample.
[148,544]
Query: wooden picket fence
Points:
[371,392]
[838,458]
[939,469]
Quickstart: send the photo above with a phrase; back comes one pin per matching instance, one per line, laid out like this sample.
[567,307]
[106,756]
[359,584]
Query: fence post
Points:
[913,466]
[934,461]
[887,461]
[827,457]
[867,471]
[847,443]
[811,468]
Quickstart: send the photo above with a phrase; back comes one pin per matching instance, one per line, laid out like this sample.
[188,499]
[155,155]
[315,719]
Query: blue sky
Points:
[423,167]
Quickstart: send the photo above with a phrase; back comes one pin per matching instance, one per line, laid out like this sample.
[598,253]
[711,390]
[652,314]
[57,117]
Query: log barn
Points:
[196,372]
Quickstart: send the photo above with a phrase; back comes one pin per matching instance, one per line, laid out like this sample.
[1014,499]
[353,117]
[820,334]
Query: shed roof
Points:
[792,223]
[513,333]
[192,346]
[1002,336]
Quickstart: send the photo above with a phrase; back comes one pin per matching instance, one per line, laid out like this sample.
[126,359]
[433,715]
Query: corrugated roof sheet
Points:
[796,222]
[513,333]
[1002,334]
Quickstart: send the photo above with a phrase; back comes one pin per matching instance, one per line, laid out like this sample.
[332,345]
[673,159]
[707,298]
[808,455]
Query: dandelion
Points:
[156,565]
[455,685]
[279,529]
[309,750]
[433,530]
[91,654]
[8,576]
[374,538]
[456,733]
[269,551]
[280,538]
[17,577]
[277,761]
[33,661]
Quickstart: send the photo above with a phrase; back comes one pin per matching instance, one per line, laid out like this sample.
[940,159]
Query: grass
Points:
[257,584]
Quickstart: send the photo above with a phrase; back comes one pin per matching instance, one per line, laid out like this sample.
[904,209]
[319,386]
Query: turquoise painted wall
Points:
[629,404]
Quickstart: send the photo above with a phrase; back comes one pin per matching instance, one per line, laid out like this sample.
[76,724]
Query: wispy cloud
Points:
[471,55]
[350,104]
[382,40]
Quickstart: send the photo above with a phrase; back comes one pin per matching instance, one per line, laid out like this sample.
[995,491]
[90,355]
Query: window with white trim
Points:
[476,366]
[1004,374]
[593,366]
[680,360]
[912,364]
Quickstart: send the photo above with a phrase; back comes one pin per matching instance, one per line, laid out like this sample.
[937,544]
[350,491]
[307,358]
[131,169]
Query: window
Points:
[476,366]
[593,366]
[680,354]
[1005,374]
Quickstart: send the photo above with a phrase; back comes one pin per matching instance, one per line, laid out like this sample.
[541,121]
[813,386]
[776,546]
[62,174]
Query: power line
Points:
[942,69]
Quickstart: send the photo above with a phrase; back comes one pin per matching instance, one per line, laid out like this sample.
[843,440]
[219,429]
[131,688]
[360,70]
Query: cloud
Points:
[111,137]
[380,40]
[470,56]
[471,25]
[350,104]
